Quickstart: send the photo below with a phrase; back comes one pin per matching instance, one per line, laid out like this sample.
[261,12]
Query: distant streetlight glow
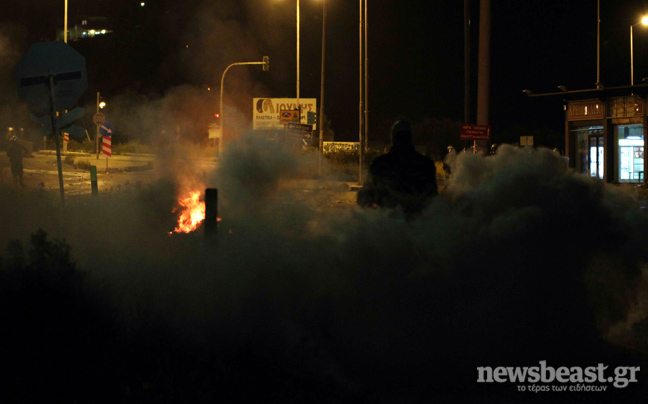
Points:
[644,21]
[102,104]
[142,4]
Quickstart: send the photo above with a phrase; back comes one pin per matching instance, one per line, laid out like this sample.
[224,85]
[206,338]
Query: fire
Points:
[192,213]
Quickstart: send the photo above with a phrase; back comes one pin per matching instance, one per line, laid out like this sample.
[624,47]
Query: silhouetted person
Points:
[402,177]
[15,152]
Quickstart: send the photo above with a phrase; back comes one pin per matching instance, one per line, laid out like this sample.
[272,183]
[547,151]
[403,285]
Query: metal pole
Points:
[484,63]
[65,22]
[631,60]
[466,61]
[598,44]
[321,111]
[360,142]
[56,133]
[97,135]
[298,103]
[222,116]
[366,81]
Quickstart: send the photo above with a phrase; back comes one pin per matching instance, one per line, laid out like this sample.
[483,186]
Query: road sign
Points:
[59,61]
[61,122]
[107,146]
[291,115]
[475,132]
[214,131]
[106,129]
[99,118]
[301,127]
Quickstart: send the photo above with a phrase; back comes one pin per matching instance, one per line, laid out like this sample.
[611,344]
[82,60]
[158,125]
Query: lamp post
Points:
[643,21]
[298,104]
[266,67]
[65,22]
[360,139]
[321,111]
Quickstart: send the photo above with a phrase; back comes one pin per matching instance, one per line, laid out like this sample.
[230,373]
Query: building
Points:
[605,130]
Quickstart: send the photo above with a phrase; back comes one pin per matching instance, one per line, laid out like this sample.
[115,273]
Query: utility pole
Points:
[320,120]
[97,135]
[65,22]
[598,44]
[298,103]
[366,81]
[360,110]
[466,61]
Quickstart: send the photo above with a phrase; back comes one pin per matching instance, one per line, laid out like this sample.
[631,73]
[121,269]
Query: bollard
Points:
[211,212]
[93,180]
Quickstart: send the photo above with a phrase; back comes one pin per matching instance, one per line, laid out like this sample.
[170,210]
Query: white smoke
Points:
[520,261]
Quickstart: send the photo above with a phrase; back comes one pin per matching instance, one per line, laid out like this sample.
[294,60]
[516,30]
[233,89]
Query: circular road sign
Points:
[99,118]
[58,61]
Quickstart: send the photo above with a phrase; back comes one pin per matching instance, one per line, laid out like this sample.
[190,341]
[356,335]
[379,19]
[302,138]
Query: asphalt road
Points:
[41,172]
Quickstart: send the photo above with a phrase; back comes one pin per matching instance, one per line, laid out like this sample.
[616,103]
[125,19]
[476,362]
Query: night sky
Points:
[415,53]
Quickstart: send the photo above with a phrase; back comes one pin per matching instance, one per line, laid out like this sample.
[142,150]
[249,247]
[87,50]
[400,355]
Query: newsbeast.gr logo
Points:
[580,379]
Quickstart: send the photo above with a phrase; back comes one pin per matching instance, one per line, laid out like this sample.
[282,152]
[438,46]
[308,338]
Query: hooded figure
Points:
[403,177]
[15,154]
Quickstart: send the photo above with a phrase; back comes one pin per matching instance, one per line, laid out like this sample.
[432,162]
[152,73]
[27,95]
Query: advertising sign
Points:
[266,112]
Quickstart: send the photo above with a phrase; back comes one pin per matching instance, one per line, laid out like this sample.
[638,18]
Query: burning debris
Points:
[192,212]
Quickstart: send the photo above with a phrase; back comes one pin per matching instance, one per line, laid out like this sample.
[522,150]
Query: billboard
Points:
[266,111]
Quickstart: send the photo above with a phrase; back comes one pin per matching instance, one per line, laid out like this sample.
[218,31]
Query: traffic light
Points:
[311,118]
[266,63]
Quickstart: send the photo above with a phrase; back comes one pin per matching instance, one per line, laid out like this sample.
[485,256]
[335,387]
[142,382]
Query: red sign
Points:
[107,146]
[99,118]
[475,132]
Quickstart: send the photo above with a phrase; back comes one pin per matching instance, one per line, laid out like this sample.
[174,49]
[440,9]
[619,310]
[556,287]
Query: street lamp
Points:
[643,21]
[321,111]
[266,67]
[298,104]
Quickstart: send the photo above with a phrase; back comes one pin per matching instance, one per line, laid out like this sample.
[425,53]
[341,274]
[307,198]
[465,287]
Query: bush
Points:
[59,333]
[131,147]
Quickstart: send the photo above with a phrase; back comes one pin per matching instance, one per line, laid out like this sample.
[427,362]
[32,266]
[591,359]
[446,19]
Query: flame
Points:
[192,213]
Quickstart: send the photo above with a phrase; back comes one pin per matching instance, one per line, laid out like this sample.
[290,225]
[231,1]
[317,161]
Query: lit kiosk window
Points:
[586,129]
[631,153]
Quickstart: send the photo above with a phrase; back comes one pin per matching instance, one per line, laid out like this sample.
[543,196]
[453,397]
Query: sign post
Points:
[98,119]
[51,76]
[475,133]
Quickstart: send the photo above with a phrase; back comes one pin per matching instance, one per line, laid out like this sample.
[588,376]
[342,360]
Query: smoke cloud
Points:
[520,261]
